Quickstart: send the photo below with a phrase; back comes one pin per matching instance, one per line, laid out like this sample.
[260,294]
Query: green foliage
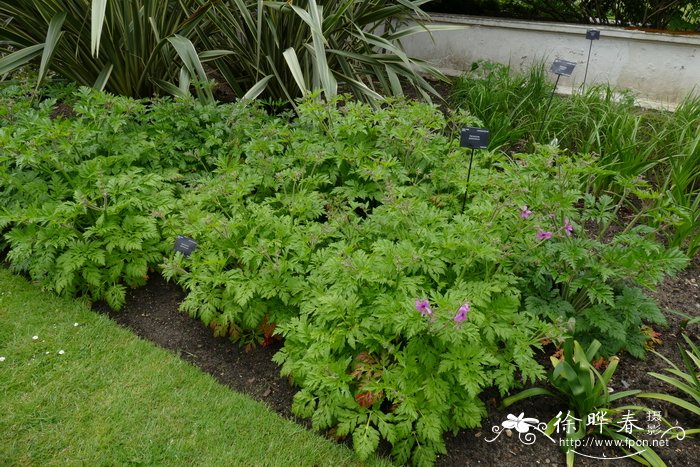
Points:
[660,14]
[334,226]
[352,44]
[506,103]
[118,46]
[83,198]
[577,382]
[686,380]
[81,214]
[584,391]
[579,277]
[338,230]
[138,48]
[647,161]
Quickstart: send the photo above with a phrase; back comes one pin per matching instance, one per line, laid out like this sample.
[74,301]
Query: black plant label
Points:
[185,245]
[474,138]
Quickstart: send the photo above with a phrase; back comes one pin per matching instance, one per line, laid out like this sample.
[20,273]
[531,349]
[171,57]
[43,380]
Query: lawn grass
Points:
[111,398]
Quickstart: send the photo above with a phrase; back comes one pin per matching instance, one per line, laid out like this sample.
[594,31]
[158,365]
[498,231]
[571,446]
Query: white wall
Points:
[660,69]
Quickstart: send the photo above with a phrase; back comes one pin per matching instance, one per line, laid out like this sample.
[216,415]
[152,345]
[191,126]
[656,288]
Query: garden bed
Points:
[326,228]
[152,313]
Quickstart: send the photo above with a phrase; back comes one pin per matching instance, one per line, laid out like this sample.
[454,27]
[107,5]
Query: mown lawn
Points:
[85,391]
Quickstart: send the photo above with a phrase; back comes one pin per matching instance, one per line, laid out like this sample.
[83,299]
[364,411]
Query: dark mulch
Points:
[152,313]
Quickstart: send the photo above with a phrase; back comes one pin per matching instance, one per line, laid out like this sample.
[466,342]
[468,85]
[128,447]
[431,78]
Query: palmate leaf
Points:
[115,296]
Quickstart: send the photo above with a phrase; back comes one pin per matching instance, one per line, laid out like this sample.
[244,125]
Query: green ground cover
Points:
[93,393]
[350,231]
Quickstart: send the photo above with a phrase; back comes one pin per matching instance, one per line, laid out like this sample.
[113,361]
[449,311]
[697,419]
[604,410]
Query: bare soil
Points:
[152,313]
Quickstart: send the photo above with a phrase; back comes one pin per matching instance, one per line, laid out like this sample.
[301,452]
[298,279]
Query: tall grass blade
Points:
[321,71]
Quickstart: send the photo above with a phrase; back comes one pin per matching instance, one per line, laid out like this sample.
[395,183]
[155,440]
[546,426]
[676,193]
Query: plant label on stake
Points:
[560,68]
[591,35]
[184,245]
[473,138]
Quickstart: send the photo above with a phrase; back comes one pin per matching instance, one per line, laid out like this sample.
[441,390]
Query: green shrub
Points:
[83,198]
[660,14]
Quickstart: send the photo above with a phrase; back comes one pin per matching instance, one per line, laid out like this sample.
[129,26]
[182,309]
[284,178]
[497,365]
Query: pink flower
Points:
[462,313]
[424,307]
[525,212]
[543,235]
[568,227]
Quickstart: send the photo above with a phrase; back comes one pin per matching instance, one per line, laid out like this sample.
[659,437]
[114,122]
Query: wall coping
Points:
[565,28]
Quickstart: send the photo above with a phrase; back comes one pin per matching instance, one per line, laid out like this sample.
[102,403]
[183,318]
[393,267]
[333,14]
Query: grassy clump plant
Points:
[118,46]
[286,49]
[630,144]
[582,389]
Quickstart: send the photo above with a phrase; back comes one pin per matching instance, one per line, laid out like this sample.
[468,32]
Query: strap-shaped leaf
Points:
[19,58]
[257,88]
[210,55]
[313,18]
[53,35]
[103,77]
[185,81]
[290,56]
[170,88]
[187,53]
[531,392]
[97,20]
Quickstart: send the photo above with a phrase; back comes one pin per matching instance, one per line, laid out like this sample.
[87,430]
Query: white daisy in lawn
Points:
[61,352]
[76,324]
[2,359]
[34,338]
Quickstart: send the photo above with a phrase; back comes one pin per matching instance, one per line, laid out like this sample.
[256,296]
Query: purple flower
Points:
[424,307]
[543,235]
[462,313]
[568,227]
[525,212]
